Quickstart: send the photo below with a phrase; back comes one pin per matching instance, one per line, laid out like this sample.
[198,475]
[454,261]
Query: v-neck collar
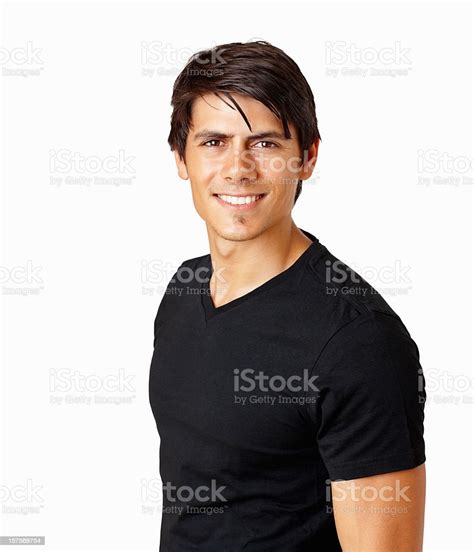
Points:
[208,305]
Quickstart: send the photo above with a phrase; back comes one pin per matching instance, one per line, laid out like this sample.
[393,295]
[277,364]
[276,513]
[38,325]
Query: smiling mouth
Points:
[239,201]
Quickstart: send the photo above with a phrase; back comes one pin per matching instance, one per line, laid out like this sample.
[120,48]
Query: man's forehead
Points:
[212,106]
[209,111]
[221,102]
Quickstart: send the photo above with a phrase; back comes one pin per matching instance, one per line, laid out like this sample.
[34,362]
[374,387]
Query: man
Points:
[287,394]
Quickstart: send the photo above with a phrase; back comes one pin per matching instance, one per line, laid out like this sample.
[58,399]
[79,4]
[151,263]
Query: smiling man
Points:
[288,395]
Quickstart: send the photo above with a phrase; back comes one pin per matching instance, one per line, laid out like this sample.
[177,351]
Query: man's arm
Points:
[381,513]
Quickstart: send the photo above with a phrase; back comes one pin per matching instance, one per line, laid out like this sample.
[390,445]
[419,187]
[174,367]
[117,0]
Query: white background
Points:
[84,265]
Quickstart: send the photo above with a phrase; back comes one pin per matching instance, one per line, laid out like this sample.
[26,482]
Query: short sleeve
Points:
[370,409]
[164,306]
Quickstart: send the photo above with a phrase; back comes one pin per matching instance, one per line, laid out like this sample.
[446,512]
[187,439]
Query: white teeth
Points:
[234,200]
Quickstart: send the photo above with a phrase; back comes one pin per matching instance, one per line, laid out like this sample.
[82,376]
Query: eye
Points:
[211,143]
[265,144]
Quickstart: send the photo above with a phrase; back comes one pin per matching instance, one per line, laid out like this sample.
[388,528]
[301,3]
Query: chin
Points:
[235,233]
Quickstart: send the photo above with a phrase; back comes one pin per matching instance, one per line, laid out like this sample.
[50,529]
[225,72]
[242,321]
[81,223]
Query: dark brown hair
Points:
[255,69]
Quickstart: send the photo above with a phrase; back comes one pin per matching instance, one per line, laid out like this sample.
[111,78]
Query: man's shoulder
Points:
[192,268]
[190,273]
[343,289]
[195,262]
[359,321]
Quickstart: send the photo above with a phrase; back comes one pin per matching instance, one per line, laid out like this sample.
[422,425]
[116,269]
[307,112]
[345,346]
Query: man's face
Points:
[243,181]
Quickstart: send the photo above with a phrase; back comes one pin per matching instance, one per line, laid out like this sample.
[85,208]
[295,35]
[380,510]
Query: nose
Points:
[238,166]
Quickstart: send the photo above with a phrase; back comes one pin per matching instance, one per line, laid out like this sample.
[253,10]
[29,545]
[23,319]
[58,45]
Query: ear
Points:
[181,166]
[309,160]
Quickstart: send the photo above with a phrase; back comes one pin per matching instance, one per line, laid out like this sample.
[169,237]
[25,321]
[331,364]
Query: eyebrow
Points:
[214,134]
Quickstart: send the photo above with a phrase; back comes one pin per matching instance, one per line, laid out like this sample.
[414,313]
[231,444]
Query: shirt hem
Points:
[389,464]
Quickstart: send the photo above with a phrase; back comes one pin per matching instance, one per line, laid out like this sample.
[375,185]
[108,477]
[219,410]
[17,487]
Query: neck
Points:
[241,266]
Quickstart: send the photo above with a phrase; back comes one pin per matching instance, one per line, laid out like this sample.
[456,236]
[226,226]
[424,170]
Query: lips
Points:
[239,201]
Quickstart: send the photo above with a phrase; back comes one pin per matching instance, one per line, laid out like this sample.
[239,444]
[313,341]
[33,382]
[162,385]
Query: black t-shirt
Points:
[261,402]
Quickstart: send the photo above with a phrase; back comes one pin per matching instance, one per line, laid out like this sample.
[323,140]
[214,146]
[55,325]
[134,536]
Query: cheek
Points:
[286,192]
[281,197]
[202,169]
[281,165]
[285,170]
